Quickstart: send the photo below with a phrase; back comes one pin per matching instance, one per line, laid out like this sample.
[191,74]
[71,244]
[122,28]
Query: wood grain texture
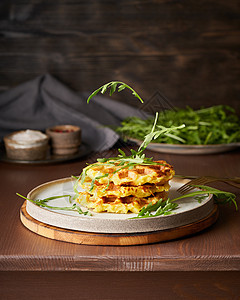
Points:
[124,285]
[188,51]
[214,249]
[88,238]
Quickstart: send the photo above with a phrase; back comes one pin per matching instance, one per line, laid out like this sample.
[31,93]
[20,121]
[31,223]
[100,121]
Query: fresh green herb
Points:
[167,207]
[97,178]
[200,198]
[159,208]
[136,157]
[43,203]
[214,125]
[221,197]
[113,86]
[77,178]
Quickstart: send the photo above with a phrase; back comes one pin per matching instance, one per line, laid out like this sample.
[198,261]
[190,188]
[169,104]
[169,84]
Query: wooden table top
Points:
[214,249]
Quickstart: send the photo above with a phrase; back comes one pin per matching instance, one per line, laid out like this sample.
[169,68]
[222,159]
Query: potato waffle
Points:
[100,190]
[120,205]
[139,175]
[111,188]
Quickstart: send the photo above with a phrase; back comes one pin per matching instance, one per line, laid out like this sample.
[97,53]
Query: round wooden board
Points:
[111,239]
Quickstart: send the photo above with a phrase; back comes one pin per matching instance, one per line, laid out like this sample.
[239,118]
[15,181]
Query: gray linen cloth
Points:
[45,101]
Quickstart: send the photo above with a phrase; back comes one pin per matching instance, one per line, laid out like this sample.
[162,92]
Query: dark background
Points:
[188,50]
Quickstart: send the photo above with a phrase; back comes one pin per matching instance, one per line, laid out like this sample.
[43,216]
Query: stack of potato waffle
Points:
[110,188]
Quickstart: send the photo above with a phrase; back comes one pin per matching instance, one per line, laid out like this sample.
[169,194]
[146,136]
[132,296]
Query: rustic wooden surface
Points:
[187,50]
[112,239]
[203,266]
[119,285]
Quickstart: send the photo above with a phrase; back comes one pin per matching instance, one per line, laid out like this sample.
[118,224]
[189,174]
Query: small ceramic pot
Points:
[65,139]
[26,145]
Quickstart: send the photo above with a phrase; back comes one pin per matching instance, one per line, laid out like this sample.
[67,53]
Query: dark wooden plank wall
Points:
[189,50]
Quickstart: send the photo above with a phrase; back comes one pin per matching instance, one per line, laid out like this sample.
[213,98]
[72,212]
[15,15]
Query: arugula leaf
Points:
[113,86]
[76,186]
[160,208]
[97,178]
[167,207]
[214,125]
[121,87]
[138,157]
[220,197]
[43,203]
[155,134]
[225,197]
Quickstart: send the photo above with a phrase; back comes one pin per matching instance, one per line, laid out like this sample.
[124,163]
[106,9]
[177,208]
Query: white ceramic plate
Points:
[190,210]
[188,149]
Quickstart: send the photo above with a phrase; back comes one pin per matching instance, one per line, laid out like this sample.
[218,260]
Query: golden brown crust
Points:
[100,190]
[139,175]
[113,204]
[115,189]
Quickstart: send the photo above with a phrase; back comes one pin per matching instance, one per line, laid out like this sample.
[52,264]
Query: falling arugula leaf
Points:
[113,86]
